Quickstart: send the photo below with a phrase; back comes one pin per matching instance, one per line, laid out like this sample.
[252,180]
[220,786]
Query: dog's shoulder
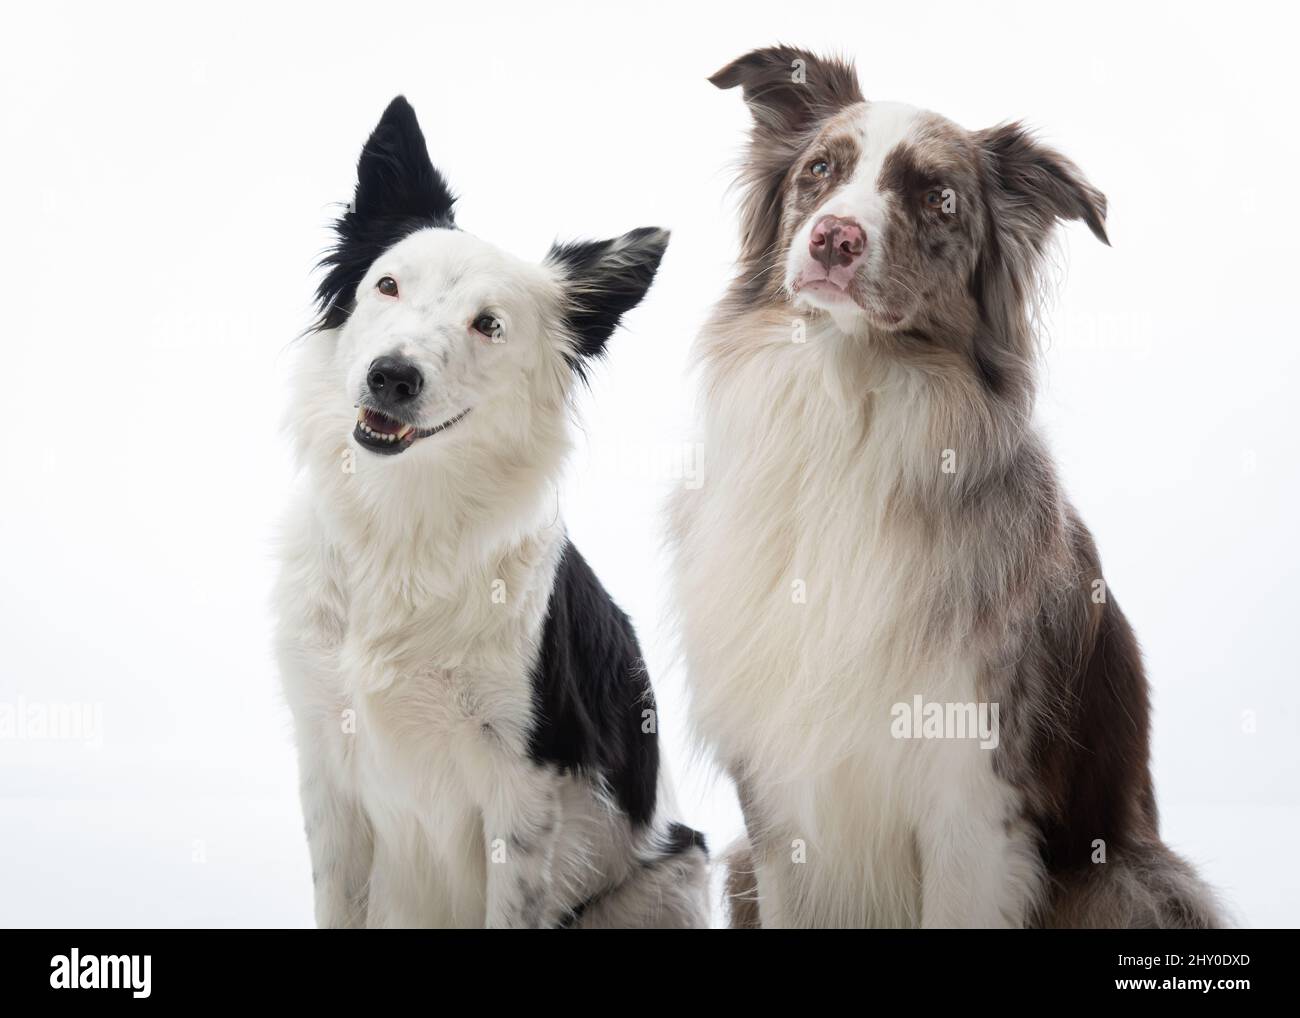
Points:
[595,707]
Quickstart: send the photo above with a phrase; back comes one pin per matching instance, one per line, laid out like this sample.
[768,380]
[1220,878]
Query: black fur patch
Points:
[606,279]
[682,839]
[590,688]
[398,192]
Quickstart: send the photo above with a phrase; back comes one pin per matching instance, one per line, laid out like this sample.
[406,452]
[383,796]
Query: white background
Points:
[168,177]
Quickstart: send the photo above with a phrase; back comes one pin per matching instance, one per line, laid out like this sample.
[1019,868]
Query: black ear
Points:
[398,192]
[604,279]
[789,90]
[1032,186]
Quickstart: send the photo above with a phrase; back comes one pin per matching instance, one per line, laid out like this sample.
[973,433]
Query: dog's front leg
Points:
[339,840]
[980,867]
[522,830]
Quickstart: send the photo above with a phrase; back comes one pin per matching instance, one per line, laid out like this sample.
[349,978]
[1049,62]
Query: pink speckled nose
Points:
[837,242]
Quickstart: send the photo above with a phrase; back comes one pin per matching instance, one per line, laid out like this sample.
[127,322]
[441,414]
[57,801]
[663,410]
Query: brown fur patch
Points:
[790,93]
[803,193]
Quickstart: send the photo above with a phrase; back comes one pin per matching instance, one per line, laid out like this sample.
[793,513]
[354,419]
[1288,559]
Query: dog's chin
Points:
[377,432]
[846,303]
[824,295]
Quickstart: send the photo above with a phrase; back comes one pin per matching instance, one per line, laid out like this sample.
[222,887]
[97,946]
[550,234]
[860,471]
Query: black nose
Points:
[393,380]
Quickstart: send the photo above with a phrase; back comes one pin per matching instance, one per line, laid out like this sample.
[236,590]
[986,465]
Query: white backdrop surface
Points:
[169,176]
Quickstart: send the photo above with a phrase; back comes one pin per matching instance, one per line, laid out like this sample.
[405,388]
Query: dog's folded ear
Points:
[398,191]
[789,90]
[603,280]
[1031,186]
[1028,187]
[789,93]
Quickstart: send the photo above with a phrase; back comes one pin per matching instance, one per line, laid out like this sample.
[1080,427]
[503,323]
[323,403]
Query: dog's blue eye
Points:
[821,168]
[487,325]
[387,285]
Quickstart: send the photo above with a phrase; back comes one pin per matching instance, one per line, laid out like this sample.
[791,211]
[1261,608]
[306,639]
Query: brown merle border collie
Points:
[882,552]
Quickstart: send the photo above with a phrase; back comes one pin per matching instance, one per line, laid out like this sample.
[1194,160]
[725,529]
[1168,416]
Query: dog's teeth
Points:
[406,430]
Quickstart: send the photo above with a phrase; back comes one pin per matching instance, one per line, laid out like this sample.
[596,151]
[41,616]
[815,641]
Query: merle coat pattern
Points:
[882,521]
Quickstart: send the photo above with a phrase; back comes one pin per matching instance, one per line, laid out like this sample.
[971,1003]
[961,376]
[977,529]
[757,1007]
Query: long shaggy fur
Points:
[881,521]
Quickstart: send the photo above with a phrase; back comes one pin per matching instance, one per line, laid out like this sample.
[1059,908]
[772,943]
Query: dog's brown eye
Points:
[821,168]
[387,285]
[934,198]
[487,325]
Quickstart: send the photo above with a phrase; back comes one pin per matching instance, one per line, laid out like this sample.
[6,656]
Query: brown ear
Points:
[789,92]
[1032,186]
[1028,188]
[787,89]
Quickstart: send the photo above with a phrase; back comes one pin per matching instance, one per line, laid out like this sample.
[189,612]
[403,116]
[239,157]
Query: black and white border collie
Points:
[883,536]
[476,729]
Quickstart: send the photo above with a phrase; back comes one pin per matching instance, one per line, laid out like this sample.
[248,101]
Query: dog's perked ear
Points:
[1031,186]
[398,192]
[789,90]
[603,280]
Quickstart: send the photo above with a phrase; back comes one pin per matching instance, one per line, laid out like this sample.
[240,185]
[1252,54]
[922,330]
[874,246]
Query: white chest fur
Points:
[803,613]
[794,592]
[412,693]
